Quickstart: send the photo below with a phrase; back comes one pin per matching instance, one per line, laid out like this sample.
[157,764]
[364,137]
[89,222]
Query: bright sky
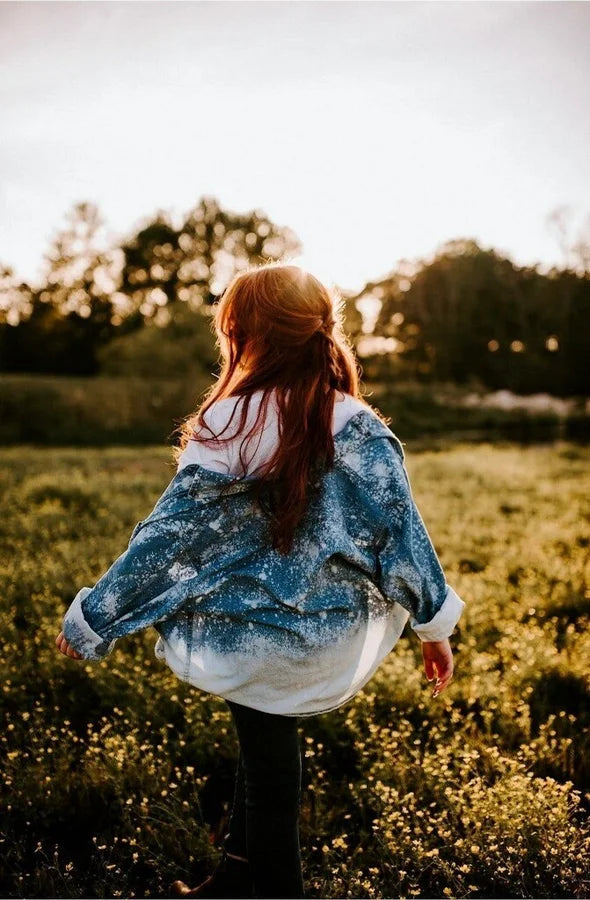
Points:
[375,130]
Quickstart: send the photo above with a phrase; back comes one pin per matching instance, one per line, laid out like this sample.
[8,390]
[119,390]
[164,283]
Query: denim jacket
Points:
[296,635]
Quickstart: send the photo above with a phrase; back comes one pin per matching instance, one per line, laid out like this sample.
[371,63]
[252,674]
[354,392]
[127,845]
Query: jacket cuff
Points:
[80,635]
[443,624]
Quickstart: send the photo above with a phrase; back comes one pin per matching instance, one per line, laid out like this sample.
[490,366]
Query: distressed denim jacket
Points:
[296,635]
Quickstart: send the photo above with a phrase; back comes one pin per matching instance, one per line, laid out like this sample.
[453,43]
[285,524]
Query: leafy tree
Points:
[95,296]
[471,313]
[81,275]
[185,345]
[15,297]
[193,263]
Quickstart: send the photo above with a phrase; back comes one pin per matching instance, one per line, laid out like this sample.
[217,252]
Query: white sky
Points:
[376,130]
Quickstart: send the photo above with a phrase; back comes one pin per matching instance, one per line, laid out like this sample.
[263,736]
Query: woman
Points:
[282,561]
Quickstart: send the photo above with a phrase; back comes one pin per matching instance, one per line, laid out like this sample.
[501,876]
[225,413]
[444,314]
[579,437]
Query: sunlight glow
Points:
[552,343]
[315,265]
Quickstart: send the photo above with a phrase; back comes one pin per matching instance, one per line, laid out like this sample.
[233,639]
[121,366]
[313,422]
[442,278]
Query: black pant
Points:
[264,824]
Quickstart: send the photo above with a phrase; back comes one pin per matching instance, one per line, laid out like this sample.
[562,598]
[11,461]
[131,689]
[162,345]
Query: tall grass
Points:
[117,777]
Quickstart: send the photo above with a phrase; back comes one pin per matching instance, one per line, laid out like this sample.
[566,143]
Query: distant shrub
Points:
[61,410]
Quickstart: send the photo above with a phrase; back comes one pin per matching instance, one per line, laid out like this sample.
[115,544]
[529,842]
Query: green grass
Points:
[117,777]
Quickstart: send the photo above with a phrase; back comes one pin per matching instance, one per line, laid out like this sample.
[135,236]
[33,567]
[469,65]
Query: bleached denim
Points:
[293,635]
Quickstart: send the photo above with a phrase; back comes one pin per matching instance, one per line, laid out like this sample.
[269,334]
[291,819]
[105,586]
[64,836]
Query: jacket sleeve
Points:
[409,568]
[140,588]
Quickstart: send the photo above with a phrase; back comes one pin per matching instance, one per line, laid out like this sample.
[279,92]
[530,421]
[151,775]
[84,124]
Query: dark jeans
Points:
[264,824]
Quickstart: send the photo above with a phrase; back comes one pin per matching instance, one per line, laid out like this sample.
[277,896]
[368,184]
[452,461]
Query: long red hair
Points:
[280,329]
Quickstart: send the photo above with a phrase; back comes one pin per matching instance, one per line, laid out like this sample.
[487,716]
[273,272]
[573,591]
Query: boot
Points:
[230,881]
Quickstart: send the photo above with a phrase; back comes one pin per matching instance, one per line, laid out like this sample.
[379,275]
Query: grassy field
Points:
[117,777]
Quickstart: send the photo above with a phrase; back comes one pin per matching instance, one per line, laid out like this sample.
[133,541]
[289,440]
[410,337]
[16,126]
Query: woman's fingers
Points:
[443,667]
[440,686]
[429,668]
[438,663]
[444,675]
[63,647]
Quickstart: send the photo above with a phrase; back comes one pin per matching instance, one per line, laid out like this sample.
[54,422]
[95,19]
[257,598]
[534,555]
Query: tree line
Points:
[143,306]
[472,314]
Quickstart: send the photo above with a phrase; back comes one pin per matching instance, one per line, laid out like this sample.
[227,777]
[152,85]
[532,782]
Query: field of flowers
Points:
[117,777]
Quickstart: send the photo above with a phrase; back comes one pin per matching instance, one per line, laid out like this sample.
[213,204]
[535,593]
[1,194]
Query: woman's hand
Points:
[63,646]
[438,661]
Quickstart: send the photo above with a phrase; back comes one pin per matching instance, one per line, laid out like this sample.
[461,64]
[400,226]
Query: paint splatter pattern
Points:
[298,634]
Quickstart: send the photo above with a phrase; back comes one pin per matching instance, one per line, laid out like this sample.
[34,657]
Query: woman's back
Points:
[294,634]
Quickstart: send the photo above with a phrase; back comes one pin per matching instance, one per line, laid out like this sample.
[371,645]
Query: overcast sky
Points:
[375,130]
